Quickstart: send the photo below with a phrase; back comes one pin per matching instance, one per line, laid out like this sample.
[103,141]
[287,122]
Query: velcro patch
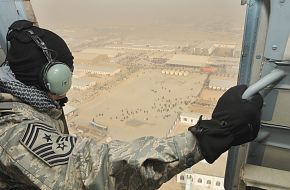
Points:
[47,144]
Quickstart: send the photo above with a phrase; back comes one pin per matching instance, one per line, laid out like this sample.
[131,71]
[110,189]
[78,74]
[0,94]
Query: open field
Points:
[211,95]
[147,103]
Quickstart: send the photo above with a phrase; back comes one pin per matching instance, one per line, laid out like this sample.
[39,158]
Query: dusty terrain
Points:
[147,103]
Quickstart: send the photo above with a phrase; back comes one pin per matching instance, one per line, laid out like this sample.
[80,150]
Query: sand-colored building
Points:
[174,72]
[82,84]
[95,55]
[227,61]
[221,84]
[205,48]
[197,61]
[222,81]
[233,69]
[208,48]
[142,47]
[69,111]
[111,53]
[97,69]
[201,176]
[89,58]
[181,60]
[189,118]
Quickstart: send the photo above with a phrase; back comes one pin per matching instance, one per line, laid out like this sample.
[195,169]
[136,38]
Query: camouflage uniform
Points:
[34,153]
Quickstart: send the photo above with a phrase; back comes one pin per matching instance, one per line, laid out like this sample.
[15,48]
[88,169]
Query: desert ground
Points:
[147,103]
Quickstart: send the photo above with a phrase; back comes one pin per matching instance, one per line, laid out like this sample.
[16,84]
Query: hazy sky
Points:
[136,12]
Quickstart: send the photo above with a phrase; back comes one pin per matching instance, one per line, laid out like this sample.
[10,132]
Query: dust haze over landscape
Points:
[148,67]
[150,18]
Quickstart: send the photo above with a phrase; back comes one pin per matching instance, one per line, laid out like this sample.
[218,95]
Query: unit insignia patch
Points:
[47,144]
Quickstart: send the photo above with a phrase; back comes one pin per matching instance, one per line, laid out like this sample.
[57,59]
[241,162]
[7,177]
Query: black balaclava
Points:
[26,59]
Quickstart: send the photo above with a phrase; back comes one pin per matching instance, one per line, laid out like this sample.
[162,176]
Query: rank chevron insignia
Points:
[47,144]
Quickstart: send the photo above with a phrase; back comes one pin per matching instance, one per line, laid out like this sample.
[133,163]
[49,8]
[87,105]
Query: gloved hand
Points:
[234,122]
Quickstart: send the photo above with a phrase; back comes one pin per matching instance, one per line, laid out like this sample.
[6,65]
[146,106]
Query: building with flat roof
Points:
[97,69]
[228,61]
[190,118]
[81,84]
[221,84]
[183,60]
[69,111]
[208,48]
[142,46]
[201,176]
[111,53]
[205,48]
[188,60]
[95,55]
[89,58]
[232,69]
[204,176]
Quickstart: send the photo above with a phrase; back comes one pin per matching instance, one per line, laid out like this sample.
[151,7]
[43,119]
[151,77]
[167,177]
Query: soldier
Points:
[37,154]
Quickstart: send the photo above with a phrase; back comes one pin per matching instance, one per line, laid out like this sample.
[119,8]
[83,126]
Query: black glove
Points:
[234,121]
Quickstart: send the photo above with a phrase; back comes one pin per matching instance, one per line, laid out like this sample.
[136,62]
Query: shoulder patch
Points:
[47,144]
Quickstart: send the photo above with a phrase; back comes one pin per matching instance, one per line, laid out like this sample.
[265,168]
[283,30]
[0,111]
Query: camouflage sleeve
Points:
[148,162]
[145,163]
[35,151]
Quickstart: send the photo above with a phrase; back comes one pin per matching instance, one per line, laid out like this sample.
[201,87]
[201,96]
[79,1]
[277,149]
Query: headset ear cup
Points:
[57,78]
[43,76]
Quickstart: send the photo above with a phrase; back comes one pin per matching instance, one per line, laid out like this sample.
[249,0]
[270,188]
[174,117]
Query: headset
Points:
[55,76]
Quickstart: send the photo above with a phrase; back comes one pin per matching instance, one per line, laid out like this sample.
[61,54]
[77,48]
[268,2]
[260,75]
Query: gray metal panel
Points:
[281,115]
[262,177]
[276,102]
[272,147]
[20,9]
[10,11]
[249,42]
[251,24]
[272,151]
[285,82]
[278,32]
